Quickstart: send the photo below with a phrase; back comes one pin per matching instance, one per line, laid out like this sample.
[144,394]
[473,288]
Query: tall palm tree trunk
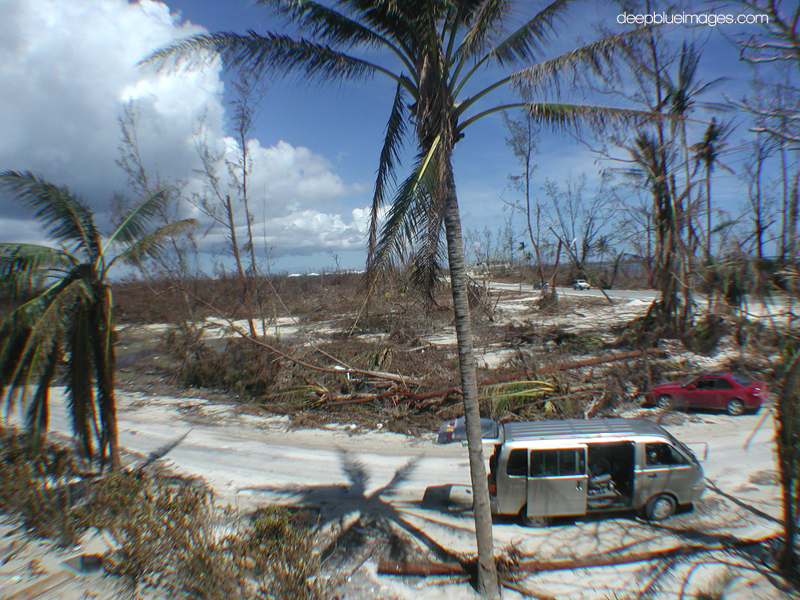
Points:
[487,570]
[708,213]
[787,436]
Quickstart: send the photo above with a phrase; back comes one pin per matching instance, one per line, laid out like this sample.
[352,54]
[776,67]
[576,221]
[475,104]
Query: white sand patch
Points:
[249,459]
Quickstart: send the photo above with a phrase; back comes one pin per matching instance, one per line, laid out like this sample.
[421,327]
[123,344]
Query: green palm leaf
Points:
[65,218]
[134,225]
[390,154]
[46,326]
[323,22]
[71,314]
[153,244]
[526,42]
[13,341]
[407,215]
[26,267]
[79,383]
[270,53]
[485,19]
[37,415]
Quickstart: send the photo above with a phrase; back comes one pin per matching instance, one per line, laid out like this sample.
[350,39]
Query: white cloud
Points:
[67,69]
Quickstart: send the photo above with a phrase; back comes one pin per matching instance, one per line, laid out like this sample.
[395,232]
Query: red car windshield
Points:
[691,380]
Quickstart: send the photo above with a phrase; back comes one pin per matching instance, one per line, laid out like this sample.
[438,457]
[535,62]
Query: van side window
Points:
[660,454]
[555,463]
[517,462]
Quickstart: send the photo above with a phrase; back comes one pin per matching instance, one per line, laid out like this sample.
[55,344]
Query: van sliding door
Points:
[557,482]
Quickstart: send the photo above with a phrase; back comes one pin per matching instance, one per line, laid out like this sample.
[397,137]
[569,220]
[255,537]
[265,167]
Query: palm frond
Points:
[271,53]
[546,76]
[428,259]
[572,117]
[527,42]
[406,216]
[516,394]
[134,225]
[65,218]
[390,155]
[323,22]
[78,377]
[28,258]
[37,414]
[388,17]
[44,329]
[519,389]
[310,393]
[484,20]
[429,250]
[13,341]
[26,267]
[30,313]
[596,58]
[152,244]
[101,330]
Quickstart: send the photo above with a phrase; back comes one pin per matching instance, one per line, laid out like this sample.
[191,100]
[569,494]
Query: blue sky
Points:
[67,67]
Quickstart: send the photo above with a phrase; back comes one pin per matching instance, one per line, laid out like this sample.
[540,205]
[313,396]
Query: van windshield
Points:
[684,448]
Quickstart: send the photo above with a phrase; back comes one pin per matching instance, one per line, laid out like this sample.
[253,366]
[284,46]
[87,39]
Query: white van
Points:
[545,469]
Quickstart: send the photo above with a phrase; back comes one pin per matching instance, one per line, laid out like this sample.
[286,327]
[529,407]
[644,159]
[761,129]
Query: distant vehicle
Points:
[729,392]
[580,284]
[541,285]
[456,431]
[545,469]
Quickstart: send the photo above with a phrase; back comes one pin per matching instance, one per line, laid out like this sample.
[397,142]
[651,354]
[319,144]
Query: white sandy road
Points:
[249,459]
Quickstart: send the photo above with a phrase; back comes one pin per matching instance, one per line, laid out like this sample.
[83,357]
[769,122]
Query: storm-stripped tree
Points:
[66,313]
[775,109]
[432,50]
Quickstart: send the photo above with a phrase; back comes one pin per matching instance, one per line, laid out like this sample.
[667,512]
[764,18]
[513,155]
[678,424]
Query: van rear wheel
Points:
[660,507]
[532,521]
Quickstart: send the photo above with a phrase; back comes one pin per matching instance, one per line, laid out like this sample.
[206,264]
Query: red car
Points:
[732,393]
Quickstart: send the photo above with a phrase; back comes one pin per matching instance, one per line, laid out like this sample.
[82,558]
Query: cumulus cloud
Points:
[68,69]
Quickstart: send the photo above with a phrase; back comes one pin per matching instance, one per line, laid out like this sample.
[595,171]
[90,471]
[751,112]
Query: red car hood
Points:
[666,387]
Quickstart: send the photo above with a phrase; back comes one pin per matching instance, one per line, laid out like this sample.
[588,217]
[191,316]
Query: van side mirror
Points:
[691,387]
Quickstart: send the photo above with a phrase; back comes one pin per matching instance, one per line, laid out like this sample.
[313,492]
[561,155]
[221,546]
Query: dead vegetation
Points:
[167,534]
[392,362]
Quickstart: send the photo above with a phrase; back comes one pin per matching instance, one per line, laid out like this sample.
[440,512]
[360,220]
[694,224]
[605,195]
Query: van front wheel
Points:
[660,507]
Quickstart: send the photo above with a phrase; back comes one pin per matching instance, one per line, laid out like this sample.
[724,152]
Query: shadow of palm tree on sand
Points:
[371,524]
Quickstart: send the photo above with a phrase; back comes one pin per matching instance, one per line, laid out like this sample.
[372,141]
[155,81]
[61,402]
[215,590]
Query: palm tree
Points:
[67,313]
[432,50]
[707,153]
